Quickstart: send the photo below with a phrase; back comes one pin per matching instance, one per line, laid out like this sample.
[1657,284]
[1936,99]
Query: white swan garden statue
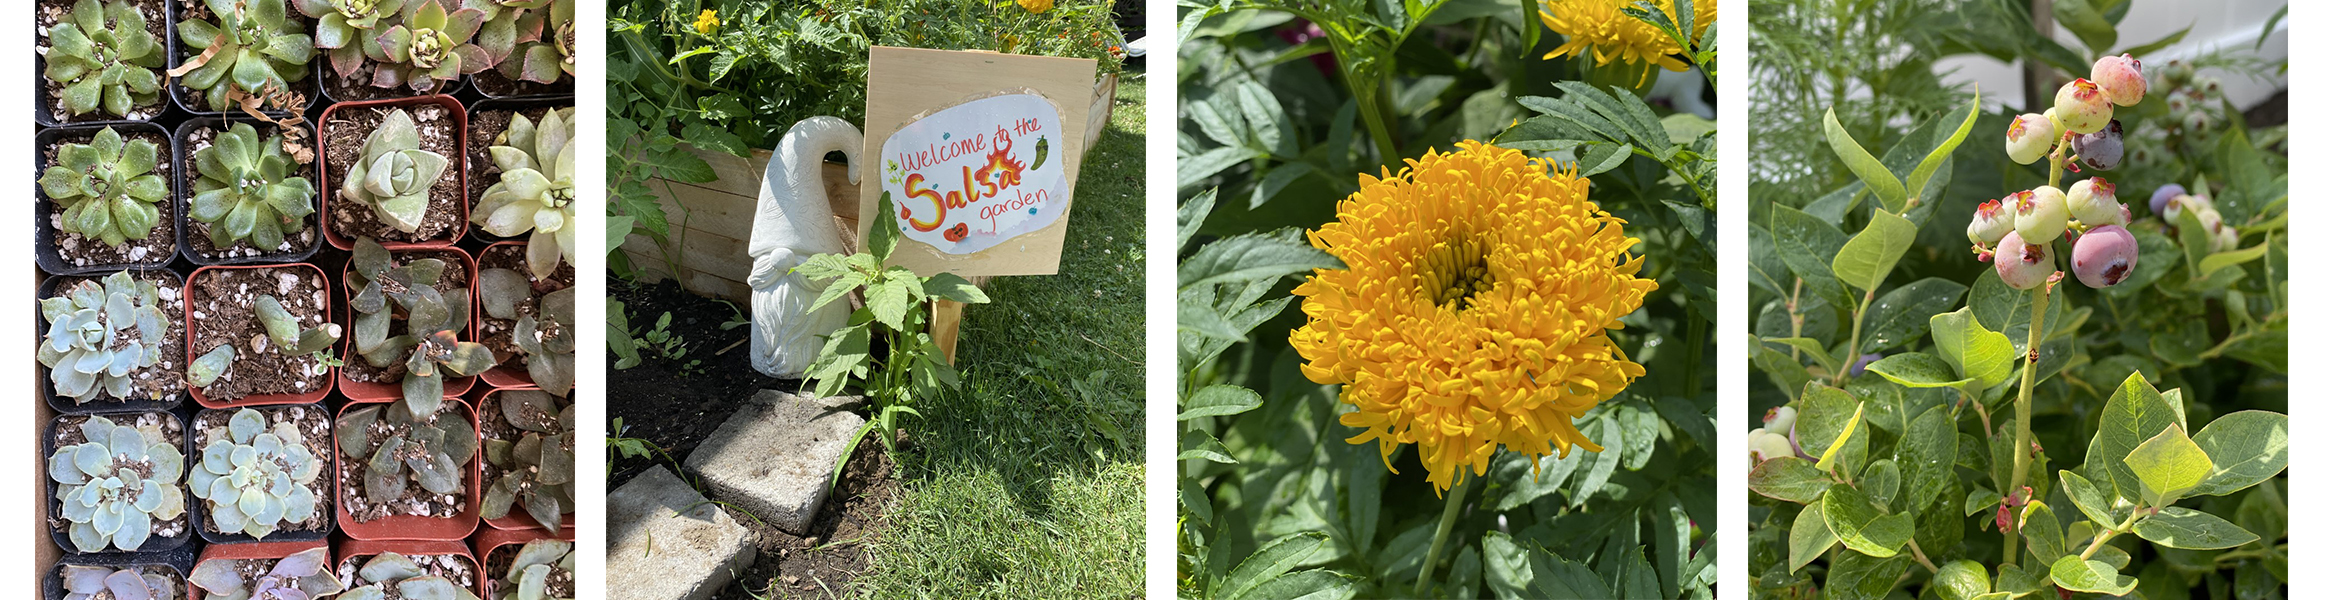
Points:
[794,222]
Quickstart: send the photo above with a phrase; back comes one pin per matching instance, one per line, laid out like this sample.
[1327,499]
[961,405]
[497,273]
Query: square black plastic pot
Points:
[64,405]
[457,86]
[329,473]
[179,561]
[190,101]
[45,233]
[497,104]
[154,546]
[44,113]
[185,194]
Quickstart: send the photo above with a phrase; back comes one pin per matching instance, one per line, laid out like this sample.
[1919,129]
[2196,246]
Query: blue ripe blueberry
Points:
[2105,255]
[2102,150]
[2022,265]
[2162,195]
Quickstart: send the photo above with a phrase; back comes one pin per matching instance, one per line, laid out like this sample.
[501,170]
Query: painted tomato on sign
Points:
[972,176]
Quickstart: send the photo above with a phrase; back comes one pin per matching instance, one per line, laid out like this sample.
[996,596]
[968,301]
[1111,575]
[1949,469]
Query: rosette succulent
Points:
[531,40]
[256,476]
[387,292]
[393,174]
[392,575]
[431,446]
[107,187]
[100,583]
[535,191]
[349,29]
[528,575]
[537,468]
[105,58]
[543,329]
[299,576]
[250,189]
[112,487]
[101,335]
[429,46]
[255,46]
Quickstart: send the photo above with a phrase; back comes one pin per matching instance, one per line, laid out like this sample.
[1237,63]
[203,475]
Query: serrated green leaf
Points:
[1218,400]
[1960,580]
[1976,353]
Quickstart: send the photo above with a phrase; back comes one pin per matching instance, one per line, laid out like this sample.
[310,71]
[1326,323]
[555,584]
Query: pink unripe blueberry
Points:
[2162,195]
[2224,238]
[2092,201]
[2119,76]
[2030,136]
[2082,107]
[1993,219]
[2022,265]
[2105,255]
[2042,214]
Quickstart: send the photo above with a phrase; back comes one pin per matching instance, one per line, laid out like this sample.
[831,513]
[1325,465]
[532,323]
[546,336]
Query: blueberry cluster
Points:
[2018,229]
[2196,113]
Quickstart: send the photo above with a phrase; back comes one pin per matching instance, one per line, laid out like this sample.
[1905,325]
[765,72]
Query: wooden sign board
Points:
[979,152]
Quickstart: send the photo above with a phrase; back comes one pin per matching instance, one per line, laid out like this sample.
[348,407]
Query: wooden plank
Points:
[1101,112]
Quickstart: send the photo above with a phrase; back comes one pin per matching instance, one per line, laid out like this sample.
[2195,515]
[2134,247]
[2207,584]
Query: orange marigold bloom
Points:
[1474,310]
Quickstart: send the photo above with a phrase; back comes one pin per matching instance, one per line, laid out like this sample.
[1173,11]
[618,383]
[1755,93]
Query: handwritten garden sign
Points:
[978,152]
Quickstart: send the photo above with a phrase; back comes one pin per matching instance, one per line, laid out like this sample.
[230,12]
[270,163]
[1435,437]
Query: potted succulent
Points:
[391,171]
[113,344]
[260,335]
[413,570]
[385,48]
[531,179]
[411,324]
[268,570]
[535,56]
[115,482]
[527,322]
[106,190]
[407,469]
[258,472]
[250,193]
[129,581]
[527,566]
[240,55]
[100,60]
[528,467]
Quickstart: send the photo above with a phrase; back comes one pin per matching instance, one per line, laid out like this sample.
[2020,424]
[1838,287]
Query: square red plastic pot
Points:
[502,375]
[410,527]
[361,550]
[369,391]
[458,164]
[517,519]
[307,397]
[491,539]
[263,550]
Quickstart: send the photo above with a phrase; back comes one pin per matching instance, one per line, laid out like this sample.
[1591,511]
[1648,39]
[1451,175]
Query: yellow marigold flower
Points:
[1600,28]
[706,23]
[1474,310]
[1035,6]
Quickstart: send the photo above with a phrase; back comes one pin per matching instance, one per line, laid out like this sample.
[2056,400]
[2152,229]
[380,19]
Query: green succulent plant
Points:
[250,189]
[428,46]
[133,583]
[105,58]
[429,348]
[391,571]
[256,476]
[254,47]
[544,333]
[528,575]
[283,334]
[530,40]
[535,192]
[349,29]
[393,174]
[112,487]
[537,468]
[432,447]
[101,335]
[107,187]
[298,576]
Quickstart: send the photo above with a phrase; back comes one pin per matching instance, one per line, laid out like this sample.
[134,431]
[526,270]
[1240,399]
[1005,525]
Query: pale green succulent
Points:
[256,477]
[115,485]
[433,448]
[299,576]
[250,189]
[535,192]
[391,571]
[105,58]
[429,348]
[537,468]
[544,334]
[254,47]
[528,575]
[101,336]
[107,187]
[393,174]
[133,583]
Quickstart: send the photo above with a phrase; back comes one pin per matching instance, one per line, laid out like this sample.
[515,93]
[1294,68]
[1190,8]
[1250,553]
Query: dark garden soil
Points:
[343,143]
[496,567]
[492,82]
[198,233]
[52,12]
[415,501]
[223,315]
[483,129]
[314,423]
[497,334]
[82,251]
[455,278]
[834,550]
[68,433]
[455,567]
[166,377]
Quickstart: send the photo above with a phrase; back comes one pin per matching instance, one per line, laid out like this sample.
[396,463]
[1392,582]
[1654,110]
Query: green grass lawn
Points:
[1028,482]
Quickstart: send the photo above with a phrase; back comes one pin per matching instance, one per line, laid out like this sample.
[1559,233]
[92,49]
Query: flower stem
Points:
[1444,527]
[2023,437]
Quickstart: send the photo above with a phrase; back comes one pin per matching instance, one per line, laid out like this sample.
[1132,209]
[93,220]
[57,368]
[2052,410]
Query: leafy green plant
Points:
[393,575]
[303,573]
[255,477]
[133,583]
[543,329]
[536,468]
[393,174]
[111,487]
[107,187]
[250,189]
[659,340]
[535,191]
[102,335]
[105,58]
[528,574]
[617,335]
[253,48]
[429,347]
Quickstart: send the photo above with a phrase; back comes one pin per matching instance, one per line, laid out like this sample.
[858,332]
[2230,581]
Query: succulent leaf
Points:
[245,190]
[100,336]
[105,188]
[535,191]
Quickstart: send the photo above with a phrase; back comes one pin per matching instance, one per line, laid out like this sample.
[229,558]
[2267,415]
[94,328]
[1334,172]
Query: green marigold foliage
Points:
[253,47]
[108,187]
[535,192]
[101,336]
[544,325]
[528,575]
[249,189]
[256,476]
[134,583]
[391,571]
[394,174]
[537,469]
[430,348]
[299,575]
[112,487]
[105,58]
